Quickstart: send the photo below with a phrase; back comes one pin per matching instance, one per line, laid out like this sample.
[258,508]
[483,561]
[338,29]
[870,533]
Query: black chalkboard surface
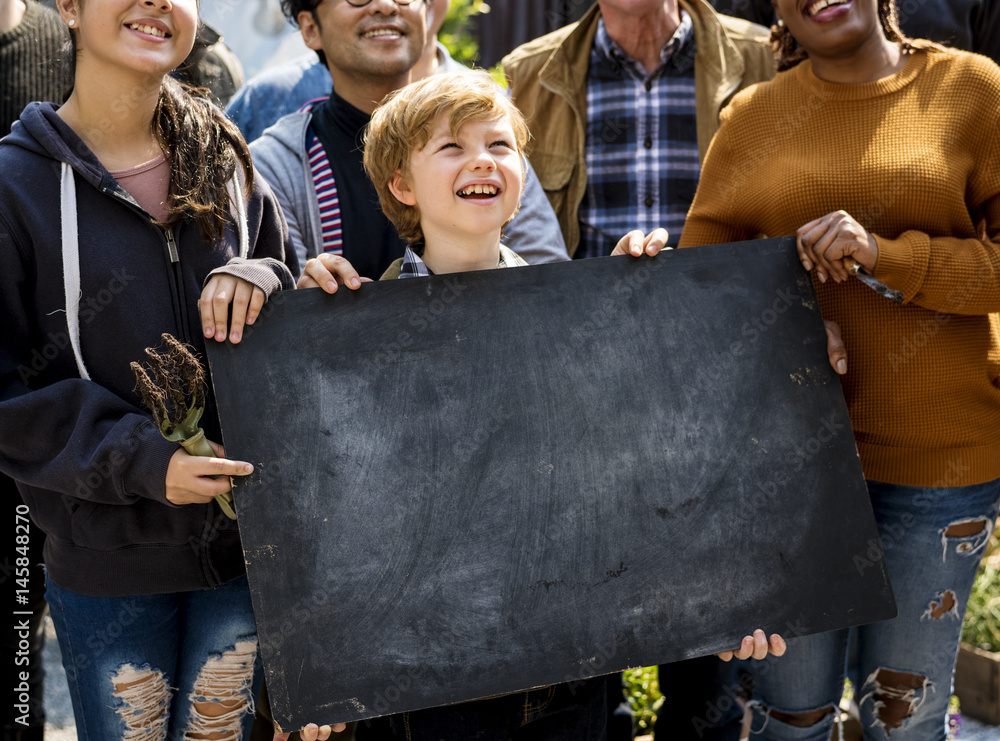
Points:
[478,483]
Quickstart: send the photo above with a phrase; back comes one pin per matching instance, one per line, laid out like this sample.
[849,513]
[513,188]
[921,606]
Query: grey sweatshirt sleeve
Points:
[272,264]
[285,172]
[534,233]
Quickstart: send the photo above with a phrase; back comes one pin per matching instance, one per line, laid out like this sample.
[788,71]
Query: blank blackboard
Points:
[478,483]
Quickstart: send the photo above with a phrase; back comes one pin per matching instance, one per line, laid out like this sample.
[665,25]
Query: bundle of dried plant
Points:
[173,389]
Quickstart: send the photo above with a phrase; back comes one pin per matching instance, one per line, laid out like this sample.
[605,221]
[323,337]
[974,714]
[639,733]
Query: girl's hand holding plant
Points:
[194,479]
[175,396]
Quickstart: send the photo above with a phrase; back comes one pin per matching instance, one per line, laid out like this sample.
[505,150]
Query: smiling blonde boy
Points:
[445,155]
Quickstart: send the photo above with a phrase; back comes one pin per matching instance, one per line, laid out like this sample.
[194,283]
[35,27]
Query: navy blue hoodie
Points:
[87,457]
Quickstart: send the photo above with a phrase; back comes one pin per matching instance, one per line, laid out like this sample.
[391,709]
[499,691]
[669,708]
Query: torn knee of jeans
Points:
[222,694]
[895,696]
[944,603]
[800,719]
[966,536]
[144,698]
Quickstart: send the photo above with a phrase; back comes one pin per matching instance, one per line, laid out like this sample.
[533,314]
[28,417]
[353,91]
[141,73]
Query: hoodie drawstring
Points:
[235,188]
[71,264]
[71,252]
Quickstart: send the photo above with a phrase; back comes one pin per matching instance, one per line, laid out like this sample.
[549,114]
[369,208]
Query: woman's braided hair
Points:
[790,53]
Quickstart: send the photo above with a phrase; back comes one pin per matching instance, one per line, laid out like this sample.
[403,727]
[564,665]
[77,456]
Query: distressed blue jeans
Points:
[932,540]
[157,666]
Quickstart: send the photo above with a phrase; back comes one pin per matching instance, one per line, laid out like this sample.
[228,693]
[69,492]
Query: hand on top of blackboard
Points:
[313,732]
[636,243]
[329,271]
[756,646]
[221,291]
[835,348]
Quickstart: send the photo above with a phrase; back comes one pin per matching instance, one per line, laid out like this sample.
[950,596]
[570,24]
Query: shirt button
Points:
[648,144]
[649,201]
[649,85]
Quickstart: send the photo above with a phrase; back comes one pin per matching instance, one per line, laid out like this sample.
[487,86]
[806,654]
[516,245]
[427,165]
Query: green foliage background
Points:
[456,32]
[982,618]
[643,691]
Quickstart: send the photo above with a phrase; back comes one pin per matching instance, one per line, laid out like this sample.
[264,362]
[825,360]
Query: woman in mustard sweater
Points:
[883,154]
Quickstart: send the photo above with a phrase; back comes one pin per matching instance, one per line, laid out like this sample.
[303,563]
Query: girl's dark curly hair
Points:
[790,53]
[204,149]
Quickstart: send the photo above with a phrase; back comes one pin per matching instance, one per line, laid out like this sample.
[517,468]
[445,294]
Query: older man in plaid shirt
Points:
[622,106]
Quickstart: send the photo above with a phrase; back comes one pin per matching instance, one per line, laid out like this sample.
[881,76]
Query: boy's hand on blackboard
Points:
[313,732]
[329,271]
[637,244]
[756,646]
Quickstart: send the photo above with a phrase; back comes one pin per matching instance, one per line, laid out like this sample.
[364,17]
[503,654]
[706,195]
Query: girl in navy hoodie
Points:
[115,209]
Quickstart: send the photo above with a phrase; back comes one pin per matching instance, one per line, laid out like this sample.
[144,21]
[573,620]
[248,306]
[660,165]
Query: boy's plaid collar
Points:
[414,267]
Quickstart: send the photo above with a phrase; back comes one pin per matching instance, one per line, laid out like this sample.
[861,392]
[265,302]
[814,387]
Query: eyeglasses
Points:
[363,3]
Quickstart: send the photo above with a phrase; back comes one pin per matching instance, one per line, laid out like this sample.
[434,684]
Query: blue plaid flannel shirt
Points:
[642,142]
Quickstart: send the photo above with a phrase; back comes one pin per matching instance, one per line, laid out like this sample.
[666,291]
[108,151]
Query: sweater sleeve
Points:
[69,436]
[534,232]
[271,159]
[951,274]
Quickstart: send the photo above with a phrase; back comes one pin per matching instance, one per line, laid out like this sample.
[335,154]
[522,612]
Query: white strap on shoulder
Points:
[71,264]
[236,195]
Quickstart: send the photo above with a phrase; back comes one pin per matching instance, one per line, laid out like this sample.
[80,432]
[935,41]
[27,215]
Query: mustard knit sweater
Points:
[915,158]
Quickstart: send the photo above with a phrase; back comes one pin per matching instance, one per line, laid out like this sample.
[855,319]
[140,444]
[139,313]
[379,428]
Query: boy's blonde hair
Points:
[404,121]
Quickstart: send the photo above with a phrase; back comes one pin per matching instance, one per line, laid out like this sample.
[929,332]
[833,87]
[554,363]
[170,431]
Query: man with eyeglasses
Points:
[313,159]
[287,87]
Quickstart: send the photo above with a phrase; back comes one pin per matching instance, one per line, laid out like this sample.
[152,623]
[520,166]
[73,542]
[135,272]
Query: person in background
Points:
[313,159]
[212,65]
[32,38]
[622,106]
[882,154]
[287,87]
